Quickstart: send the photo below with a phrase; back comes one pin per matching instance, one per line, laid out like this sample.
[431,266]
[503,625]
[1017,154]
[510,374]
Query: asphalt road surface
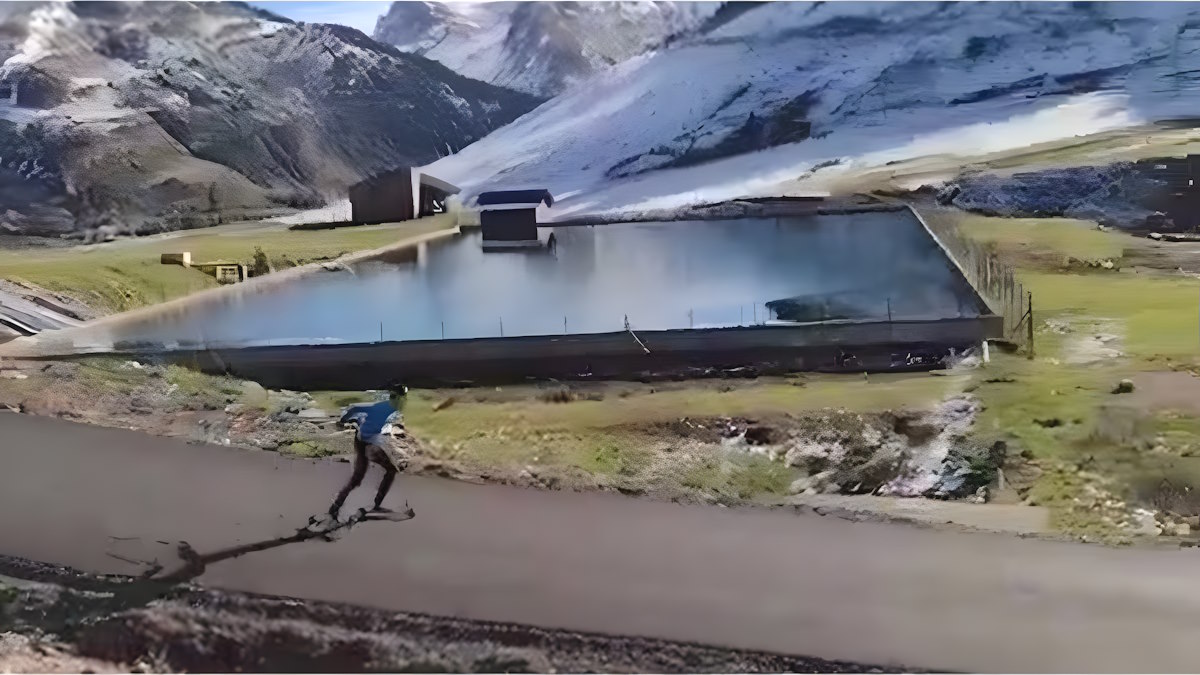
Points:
[771,580]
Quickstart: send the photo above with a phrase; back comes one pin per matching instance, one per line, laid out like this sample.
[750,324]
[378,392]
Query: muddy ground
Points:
[56,619]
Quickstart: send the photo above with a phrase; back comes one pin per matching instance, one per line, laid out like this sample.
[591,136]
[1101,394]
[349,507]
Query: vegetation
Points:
[1059,408]
[127,274]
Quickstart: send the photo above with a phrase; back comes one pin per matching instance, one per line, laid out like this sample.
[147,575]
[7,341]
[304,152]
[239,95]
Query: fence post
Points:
[565,325]
[1030,327]
[381,331]
[443,330]
[501,326]
[889,300]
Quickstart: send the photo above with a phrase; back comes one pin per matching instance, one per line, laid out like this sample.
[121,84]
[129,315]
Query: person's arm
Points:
[353,414]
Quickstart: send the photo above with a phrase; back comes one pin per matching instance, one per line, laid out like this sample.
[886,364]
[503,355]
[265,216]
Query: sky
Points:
[360,14]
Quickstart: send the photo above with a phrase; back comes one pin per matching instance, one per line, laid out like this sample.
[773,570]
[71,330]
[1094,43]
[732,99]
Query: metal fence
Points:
[991,277]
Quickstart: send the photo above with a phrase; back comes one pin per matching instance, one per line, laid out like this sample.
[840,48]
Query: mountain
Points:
[792,96]
[137,117]
[536,47]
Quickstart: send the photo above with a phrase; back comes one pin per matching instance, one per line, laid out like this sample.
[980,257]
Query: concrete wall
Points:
[607,355]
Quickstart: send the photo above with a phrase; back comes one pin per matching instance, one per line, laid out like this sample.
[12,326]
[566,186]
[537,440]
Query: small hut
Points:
[509,217]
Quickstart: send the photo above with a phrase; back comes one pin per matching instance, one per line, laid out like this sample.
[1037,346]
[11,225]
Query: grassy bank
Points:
[1093,328]
[663,438]
[127,274]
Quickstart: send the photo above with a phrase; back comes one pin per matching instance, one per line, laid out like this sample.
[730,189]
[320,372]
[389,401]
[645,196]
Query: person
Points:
[375,423]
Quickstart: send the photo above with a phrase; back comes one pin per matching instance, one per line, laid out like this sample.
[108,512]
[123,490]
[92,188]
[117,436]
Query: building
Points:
[398,195]
[224,271]
[509,217]
[8,92]
[1179,195]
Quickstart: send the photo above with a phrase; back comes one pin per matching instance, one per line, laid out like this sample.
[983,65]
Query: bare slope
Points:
[147,116]
[537,47]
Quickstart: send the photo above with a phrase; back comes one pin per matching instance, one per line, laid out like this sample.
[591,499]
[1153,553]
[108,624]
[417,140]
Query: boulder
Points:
[1123,387]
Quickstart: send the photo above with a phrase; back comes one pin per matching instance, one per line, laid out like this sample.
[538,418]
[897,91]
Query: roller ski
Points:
[384,513]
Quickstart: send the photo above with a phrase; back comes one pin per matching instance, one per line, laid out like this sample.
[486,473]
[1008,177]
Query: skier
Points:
[375,422]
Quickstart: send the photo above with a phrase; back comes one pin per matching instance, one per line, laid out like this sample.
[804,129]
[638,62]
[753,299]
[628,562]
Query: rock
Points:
[313,414]
[761,435]
[1156,236]
[12,375]
[1182,529]
[818,483]
[946,194]
[1123,387]
[980,496]
[442,405]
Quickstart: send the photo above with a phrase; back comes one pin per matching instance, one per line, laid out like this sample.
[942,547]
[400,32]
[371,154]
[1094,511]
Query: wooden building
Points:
[398,195]
[509,217]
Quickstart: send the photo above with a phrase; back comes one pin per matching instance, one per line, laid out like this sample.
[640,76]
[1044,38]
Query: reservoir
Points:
[596,279]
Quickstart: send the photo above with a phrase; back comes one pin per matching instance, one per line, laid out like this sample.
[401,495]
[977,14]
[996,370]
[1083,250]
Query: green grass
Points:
[464,419]
[335,401]
[201,391]
[757,476]
[127,274]
[1158,313]
[1064,414]
[1057,237]
[311,447]
[610,457]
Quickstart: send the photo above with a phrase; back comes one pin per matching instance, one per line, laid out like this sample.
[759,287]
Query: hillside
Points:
[536,47]
[135,117]
[795,97]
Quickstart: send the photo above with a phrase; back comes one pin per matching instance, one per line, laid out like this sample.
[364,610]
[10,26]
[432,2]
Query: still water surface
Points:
[658,275]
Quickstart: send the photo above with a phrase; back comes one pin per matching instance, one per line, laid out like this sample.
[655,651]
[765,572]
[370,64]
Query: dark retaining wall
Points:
[673,353]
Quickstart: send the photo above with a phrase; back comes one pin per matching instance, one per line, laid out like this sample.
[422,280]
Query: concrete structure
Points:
[875,345]
[184,259]
[225,271]
[398,195]
[509,217]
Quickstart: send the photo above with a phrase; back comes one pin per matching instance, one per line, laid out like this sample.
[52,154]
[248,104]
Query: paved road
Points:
[766,580]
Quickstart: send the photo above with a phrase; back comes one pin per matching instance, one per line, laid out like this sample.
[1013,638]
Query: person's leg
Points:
[383,458]
[356,477]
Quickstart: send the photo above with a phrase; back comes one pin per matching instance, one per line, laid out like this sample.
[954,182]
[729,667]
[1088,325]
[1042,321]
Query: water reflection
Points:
[657,275]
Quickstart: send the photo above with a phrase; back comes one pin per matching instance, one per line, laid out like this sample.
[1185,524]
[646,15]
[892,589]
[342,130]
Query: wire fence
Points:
[991,277]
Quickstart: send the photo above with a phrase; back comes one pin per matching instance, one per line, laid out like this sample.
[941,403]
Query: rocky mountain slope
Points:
[147,116]
[537,47]
[798,94]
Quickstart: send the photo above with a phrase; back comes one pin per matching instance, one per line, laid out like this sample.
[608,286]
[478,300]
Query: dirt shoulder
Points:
[113,620]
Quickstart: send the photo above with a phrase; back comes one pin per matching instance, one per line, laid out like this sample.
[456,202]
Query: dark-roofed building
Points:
[1179,194]
[398,195]
[509,217]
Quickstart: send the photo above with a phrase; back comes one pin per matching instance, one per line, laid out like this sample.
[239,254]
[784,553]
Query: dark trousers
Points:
[364,453]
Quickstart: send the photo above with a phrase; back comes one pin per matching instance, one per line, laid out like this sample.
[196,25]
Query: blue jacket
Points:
[371,419]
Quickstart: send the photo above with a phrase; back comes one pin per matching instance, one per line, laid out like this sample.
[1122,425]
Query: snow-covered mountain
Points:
[153,115]
[536,47]
[793,95]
